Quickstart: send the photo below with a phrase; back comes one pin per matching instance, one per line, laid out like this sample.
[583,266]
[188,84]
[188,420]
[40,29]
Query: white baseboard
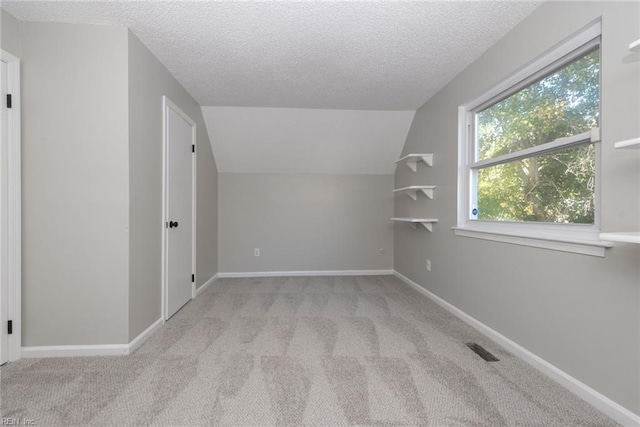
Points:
[75,350]
[591,396]
[308,273]
[91,350]
[144,336]
[206,284]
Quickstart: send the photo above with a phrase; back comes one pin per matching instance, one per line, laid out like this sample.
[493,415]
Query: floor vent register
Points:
[480,351]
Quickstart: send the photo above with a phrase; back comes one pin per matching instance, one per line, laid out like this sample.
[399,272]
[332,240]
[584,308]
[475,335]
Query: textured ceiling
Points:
[296,140]
[377,55]
[316,61]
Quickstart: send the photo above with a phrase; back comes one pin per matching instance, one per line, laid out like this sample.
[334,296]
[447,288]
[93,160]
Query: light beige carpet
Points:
[297,351]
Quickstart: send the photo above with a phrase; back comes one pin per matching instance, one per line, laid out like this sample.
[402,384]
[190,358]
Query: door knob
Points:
[173,224]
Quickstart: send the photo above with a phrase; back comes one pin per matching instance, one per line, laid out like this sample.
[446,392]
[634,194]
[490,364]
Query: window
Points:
[529,153]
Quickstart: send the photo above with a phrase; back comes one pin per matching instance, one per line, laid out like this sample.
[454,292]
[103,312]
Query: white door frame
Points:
[166,104]
[14,222]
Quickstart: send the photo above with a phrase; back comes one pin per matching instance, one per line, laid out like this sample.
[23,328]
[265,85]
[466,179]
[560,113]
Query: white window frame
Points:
[575,238]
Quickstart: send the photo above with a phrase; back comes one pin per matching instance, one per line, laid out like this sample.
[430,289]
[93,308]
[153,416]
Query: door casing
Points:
[11,194]
[166,104]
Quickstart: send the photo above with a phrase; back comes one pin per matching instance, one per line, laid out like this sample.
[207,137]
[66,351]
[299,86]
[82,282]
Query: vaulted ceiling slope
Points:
[296,140]
[375,55]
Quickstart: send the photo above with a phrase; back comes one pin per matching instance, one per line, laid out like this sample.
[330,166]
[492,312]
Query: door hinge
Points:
[10,327]
[9,100]
[193,278]
[193,148]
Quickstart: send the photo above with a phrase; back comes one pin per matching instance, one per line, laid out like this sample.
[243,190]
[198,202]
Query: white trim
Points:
[75,350]
[588,394]
[194,209]
[206,284]
[14,203]
[552,242]
[144,336]
[167,103]
[561,143]
[308,273]
[163,273]
[92,350]
[464,158]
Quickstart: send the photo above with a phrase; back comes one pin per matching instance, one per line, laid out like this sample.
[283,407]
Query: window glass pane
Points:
[557,187]
[564,103]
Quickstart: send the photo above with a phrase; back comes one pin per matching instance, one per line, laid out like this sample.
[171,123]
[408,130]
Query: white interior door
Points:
[179,218]
[4,246]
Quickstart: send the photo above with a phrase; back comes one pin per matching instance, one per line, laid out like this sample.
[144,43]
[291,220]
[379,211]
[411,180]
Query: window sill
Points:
[555,243]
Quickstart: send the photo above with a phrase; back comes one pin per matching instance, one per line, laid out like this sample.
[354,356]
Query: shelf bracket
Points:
[428,159]
[412,162]
[413,222]
[414,193]
[428,192]
[428,225]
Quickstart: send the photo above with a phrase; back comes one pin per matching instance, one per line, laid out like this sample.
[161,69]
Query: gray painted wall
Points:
[149,80]
[305,222]
[9,33]
[92,182]
[75,197]
[578,312]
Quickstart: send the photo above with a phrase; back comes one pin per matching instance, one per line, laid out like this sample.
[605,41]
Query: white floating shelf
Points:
[624,237]
[413,190]
[426,222]
[635,46]
[628,143]
[412,160]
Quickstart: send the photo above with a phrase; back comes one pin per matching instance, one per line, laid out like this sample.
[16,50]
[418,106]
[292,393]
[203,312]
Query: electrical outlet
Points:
[256,252]
[428,265]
